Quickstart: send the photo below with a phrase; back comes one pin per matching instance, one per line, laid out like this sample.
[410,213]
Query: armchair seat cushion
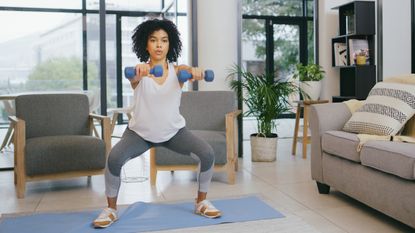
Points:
[216,139]
[342,144]
[56,154]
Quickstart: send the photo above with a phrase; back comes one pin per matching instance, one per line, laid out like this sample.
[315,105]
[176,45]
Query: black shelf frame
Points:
[356,81]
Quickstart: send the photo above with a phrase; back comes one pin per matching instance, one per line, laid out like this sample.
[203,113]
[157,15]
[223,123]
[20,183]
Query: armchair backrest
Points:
[54,114]
[205,110]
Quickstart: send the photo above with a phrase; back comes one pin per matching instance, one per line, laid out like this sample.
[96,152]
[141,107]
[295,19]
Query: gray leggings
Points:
[132,145]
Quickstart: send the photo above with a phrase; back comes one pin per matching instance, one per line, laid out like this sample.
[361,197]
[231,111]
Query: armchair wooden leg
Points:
[153,176]
[20,186]
[153,169]
[231,173]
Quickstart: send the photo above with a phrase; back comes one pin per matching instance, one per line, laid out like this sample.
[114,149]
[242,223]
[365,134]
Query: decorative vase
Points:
[263,149]
[312,89]
[360,60]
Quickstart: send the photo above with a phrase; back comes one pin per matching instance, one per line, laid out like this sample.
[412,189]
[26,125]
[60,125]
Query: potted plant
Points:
[361,56]
[266,99]
[310,77]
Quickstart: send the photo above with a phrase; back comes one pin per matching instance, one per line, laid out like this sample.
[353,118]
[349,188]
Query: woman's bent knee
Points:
[114,164]
[207,158]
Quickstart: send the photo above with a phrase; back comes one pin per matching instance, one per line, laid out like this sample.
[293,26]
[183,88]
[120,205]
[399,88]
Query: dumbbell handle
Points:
[184,75]
[130,71]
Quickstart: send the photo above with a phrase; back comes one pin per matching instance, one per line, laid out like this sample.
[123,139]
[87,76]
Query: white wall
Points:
[328,28]
[217,39]
[396,37]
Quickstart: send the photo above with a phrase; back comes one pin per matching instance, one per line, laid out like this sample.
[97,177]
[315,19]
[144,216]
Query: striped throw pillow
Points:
[386,110]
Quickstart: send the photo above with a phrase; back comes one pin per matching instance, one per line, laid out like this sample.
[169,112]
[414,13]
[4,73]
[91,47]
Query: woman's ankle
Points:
[201,196]
[112,202]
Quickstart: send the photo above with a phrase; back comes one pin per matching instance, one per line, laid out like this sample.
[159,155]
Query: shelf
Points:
[356,32]
[353,66]
[361,14]
[351,36]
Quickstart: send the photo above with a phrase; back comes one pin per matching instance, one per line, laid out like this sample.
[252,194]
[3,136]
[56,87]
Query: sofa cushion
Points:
[388,107]
[341,144]
[395,158]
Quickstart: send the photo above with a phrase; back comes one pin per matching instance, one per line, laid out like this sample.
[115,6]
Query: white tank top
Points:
[156,116]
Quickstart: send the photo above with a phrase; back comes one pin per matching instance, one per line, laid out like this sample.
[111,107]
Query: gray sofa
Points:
[381,175]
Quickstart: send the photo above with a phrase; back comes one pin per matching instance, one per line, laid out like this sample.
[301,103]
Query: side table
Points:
[305,104]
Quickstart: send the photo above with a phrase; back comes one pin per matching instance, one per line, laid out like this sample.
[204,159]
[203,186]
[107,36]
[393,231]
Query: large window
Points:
[50,47]
[277,34]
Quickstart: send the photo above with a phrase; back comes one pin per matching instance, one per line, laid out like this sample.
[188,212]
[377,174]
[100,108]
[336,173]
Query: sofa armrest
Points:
[324,117]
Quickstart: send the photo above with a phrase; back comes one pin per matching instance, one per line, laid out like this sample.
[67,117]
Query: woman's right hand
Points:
[141,70]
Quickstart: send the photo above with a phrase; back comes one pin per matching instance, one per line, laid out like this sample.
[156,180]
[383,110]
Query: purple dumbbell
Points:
[184,75]
[130,73]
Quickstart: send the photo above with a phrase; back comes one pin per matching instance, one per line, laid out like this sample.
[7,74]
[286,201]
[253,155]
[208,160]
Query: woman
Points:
[156,119]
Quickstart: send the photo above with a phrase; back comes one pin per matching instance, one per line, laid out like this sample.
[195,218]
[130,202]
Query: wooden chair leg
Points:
[153,169]
[305,131]
[231,173]
[296,127]
[20,186]
[7,139]
[11,139]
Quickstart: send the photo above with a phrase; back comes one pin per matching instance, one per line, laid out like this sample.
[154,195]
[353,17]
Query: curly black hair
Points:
[142,32]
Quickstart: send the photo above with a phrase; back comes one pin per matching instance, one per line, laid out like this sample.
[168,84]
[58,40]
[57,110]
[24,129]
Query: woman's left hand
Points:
[197,73]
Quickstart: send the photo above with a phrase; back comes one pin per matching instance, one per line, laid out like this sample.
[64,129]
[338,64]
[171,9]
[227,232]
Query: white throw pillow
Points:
[386,110]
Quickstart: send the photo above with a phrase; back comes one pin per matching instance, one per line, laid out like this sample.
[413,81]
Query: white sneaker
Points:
[107,217]
[206,208]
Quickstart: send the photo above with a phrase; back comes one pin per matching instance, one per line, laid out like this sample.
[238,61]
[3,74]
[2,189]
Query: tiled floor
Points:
[285,184]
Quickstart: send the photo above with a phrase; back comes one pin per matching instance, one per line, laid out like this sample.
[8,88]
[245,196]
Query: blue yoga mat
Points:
[140,216]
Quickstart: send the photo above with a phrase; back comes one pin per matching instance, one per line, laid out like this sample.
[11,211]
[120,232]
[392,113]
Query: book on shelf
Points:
[340,54]
[358,47]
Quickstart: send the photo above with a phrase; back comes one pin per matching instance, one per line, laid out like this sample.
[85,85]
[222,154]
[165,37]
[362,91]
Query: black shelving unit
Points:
[356,22]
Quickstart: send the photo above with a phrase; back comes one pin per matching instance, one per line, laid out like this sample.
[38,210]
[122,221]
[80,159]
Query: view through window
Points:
[42,50]
[276,35]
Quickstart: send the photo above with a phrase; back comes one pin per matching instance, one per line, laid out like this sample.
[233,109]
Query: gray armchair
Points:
[210,115]
[53,139]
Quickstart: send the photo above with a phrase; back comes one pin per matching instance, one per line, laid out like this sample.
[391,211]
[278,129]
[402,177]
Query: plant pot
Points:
[360,60]
[312,89]
[263,149]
